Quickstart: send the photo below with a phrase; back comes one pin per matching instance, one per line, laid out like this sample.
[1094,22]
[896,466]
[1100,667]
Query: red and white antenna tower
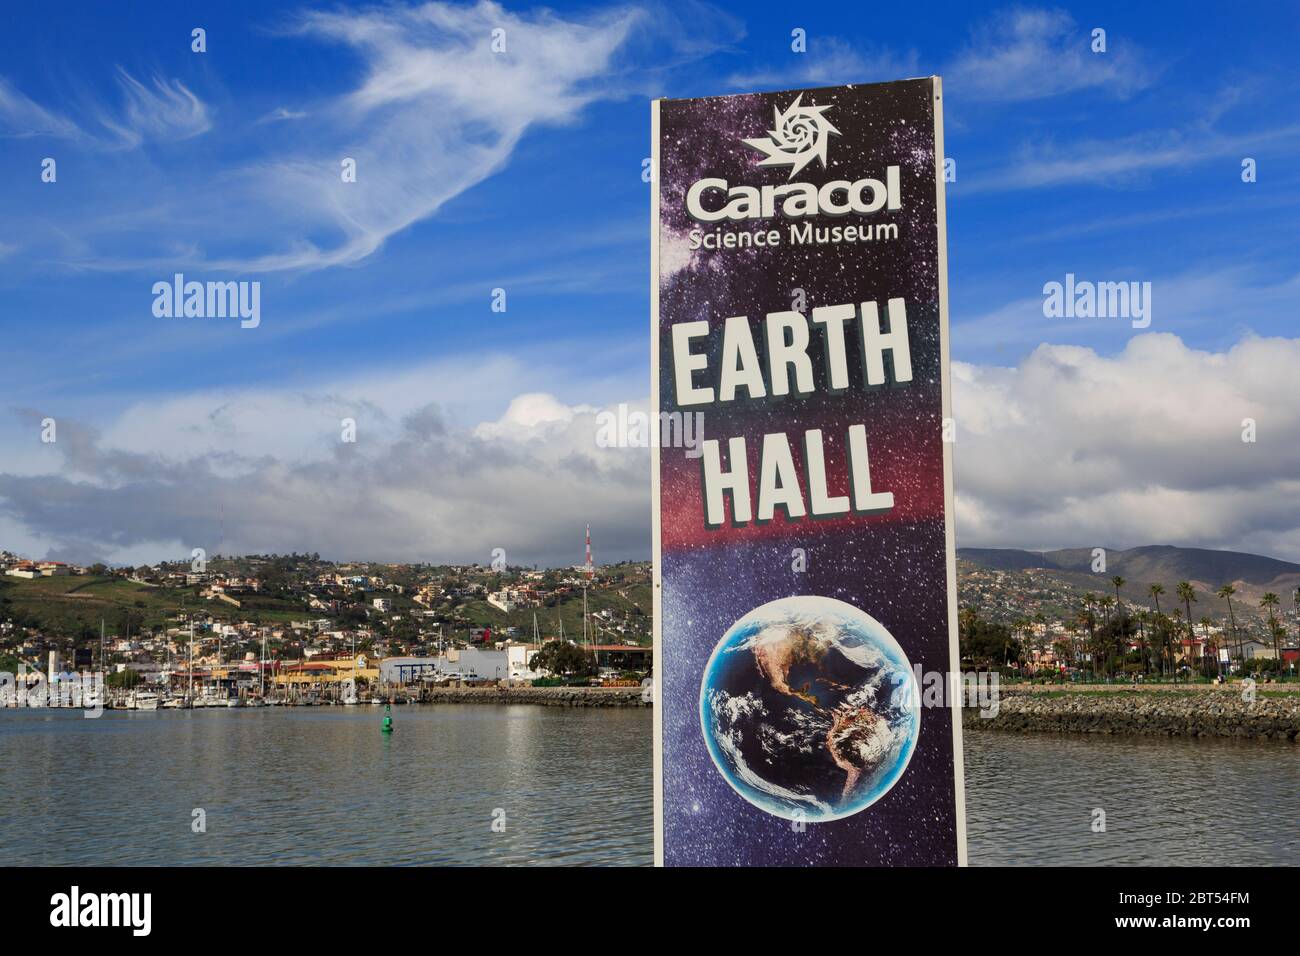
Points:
[590,568]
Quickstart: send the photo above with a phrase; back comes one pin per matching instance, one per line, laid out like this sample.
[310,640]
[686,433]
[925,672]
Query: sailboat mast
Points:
[585,630]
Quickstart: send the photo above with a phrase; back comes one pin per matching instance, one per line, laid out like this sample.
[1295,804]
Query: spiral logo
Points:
[799,135]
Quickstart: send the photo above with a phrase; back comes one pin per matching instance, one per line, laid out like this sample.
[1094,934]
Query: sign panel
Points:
[805,575]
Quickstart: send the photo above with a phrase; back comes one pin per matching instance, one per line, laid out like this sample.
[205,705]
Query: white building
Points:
[503,600]
[510,662]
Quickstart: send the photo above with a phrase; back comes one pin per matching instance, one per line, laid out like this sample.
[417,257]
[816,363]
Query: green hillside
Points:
[73,606]
[626,600]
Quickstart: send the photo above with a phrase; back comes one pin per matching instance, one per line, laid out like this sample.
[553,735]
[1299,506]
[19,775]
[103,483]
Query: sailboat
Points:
[588,626]
[349,696]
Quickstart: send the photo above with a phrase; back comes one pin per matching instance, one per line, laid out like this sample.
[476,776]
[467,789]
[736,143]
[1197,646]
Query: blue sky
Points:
[522,171]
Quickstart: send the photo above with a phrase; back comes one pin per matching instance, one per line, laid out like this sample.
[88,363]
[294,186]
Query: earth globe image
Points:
[809,708]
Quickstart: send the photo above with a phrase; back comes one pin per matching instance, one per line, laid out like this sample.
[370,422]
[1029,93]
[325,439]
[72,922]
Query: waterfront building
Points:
[1253,648]
[508,662]
[631,657]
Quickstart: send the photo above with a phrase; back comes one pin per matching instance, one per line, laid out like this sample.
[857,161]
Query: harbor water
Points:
[520,784]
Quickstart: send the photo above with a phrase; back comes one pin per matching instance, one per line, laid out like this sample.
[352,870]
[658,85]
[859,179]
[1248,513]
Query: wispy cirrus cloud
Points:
[282,114]
[1016,55]
[828,61]
[1028,54]
[441,97]
[161,109]
[436,110]
[1124,160]
[1221,304]
[21,116]
[164,109]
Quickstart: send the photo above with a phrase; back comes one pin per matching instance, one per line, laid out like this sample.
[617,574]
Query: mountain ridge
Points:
[1148,563]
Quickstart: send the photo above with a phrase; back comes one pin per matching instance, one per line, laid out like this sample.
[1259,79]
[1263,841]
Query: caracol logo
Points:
[800,135]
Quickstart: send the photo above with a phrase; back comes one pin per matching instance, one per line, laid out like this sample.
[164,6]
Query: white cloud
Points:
[1072,448]
[533,415]
[266,470]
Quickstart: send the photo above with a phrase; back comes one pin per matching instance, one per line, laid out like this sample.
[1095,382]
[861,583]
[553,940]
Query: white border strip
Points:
[656,554]
[950,536]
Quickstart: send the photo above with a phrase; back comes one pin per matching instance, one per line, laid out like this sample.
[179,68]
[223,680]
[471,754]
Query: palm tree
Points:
[1279,635]
[1175,640]
[1119,582]
[1018,631]
[1205,623]
[1188,594]
[1142,638]
[1226,592]
[1155,590]
[1269,600]
[1295,603]
[1089,599]
[1080,625]
[1105,602]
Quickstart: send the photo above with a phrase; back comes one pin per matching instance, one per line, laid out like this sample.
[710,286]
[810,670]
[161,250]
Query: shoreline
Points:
[540,696]
[544,696]
[1211,713]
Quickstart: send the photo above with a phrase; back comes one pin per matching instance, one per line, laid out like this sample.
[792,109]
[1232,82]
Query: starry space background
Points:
[893,566]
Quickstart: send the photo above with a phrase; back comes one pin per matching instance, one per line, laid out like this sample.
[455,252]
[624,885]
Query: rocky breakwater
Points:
[547,696]
[1207,714]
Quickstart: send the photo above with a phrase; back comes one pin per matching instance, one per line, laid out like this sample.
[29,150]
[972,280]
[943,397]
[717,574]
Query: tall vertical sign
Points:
[805,575]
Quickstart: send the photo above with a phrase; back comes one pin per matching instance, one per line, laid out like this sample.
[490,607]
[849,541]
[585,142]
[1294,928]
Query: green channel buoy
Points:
[388,719]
